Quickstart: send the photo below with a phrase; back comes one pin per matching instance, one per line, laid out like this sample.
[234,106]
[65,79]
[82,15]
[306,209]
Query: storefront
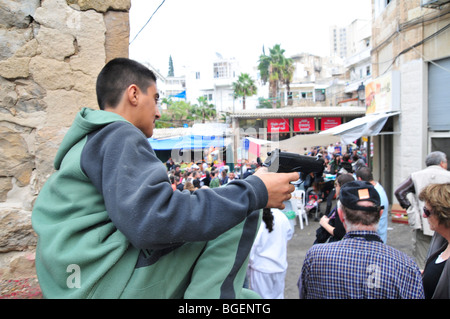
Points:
[382,100]
[286,123]
[281,128]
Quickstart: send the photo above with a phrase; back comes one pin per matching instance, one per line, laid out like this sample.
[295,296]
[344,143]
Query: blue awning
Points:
[187,142]
[181,95]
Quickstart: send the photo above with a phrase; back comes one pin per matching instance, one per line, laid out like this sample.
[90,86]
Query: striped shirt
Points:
[357,268]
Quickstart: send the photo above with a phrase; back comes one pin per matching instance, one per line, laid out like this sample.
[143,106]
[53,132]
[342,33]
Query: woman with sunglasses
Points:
[436,275]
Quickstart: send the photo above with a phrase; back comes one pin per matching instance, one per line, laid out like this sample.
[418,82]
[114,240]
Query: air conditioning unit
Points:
[434,3]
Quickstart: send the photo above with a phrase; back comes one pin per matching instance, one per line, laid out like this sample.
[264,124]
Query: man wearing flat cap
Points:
[360,266]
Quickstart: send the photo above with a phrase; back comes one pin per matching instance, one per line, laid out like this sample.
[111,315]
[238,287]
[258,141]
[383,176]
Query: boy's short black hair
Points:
[116,76]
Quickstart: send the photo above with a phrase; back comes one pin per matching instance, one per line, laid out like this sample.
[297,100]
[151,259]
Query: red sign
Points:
[330,122]
[305,124]
[277,125]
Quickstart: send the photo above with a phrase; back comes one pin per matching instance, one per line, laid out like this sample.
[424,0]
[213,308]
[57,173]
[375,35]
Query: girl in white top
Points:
[268,257]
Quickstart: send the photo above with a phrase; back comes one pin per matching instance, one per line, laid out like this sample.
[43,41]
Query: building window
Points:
[197,75]
[440,141]
[380,5]
[320,95]
[221,70]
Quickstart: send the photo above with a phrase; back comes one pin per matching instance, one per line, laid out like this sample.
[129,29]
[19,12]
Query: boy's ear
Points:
[132,93]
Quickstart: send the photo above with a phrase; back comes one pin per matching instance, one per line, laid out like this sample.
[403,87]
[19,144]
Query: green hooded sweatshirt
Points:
[110,205]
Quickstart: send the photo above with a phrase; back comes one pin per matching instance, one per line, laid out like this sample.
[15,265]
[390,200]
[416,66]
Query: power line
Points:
[412,47]
[147,22]
[425,58]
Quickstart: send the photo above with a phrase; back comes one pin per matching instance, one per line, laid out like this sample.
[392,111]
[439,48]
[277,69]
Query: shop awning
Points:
[181,95]
[369,125]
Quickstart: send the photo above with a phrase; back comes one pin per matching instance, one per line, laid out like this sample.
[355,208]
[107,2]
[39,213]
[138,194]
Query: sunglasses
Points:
[426,211]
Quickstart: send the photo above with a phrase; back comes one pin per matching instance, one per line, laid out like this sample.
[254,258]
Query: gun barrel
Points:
[285,162]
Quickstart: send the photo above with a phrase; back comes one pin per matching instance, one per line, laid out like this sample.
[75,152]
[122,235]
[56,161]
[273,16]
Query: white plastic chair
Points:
[298,202]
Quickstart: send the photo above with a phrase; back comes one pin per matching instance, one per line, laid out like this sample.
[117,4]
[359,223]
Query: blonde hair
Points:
[438,197]
[189,186]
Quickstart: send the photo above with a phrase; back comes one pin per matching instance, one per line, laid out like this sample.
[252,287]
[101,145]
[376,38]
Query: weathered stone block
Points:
[12,40]
[5,187]
[8,96]
[15,158]
[99,5]
[16,232]
[117,34]
[29,49]
[51,74]
[17,13]
[55,44]
[30,96]
[14,68]
[18,265]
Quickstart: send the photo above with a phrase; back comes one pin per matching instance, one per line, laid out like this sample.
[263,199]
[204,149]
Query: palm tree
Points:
[288,73]
[244,86]
[204,110]
[275,68]
[179,110]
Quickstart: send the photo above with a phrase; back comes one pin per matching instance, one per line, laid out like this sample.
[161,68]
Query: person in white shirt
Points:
[330,149]
[268,257]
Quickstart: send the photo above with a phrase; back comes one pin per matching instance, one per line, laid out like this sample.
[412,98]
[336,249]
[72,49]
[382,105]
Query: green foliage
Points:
[182,112]
[171,71]
[264,103]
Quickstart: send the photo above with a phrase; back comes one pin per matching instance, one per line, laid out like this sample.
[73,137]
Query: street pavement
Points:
[399,236]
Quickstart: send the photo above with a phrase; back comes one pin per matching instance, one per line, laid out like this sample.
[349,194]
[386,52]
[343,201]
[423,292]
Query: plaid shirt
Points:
[357,268]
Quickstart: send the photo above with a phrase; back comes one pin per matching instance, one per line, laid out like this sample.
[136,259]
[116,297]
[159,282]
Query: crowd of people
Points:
[193,176]
[351,238]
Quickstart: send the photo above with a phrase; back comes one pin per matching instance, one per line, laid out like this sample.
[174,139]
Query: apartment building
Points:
[214,79]
[338,41]
[357,63]
[411,46]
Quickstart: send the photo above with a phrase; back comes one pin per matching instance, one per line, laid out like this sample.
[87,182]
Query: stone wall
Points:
[51,52]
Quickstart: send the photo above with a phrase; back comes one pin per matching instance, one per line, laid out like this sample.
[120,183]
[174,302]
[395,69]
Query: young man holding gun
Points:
[110,225]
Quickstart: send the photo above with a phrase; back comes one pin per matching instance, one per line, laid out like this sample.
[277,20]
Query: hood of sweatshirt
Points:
[86,121]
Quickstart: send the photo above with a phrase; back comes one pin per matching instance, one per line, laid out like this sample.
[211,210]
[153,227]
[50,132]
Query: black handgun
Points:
[285,162]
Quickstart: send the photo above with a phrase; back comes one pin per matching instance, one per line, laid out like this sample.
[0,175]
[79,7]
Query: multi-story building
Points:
[410,79]
[313,81]
[214,79]
[338,41]
[358,64]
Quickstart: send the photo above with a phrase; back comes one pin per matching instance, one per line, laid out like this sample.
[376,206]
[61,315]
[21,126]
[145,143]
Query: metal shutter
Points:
[439,95]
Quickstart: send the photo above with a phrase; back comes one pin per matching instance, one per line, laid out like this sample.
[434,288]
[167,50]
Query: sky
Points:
[192,31]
